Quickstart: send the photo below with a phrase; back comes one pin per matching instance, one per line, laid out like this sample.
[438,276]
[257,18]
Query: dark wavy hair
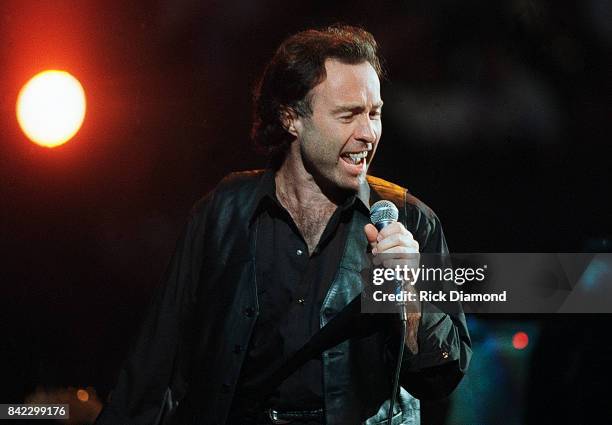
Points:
[297,66]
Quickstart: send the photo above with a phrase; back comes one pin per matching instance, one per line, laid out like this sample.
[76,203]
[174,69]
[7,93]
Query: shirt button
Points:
[445,354]
[301,301]
[249,312]
[299,252]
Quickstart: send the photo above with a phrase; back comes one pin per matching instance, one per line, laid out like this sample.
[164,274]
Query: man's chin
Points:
[350,183]
[340,184]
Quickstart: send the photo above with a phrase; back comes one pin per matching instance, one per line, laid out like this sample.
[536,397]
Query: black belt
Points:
[273,416]
[291,416]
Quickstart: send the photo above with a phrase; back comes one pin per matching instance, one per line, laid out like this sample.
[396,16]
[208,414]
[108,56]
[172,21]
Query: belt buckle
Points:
[273,415]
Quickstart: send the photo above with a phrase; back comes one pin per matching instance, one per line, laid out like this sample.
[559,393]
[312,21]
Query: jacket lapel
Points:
[347,282]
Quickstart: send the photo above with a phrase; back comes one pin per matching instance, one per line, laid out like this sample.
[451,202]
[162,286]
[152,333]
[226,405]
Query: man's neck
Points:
[307,203]
[297,187]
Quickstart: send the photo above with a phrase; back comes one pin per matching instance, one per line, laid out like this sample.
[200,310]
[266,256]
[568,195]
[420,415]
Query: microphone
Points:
[383,213]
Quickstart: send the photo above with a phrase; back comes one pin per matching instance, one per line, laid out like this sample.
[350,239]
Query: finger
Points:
[400,252]
[410,259]
[370,232]
[395,227]
[397,240]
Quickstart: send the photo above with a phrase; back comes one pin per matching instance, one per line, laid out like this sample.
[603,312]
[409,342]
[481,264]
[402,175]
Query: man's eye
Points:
[346,117]
[375,114]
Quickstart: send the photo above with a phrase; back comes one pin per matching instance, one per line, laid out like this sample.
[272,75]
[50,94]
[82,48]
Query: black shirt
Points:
[292,286]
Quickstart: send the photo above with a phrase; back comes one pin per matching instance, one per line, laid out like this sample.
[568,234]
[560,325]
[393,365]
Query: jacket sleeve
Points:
[143,392]
[443,339]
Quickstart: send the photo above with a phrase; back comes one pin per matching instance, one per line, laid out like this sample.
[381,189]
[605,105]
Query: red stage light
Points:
[82,395]
[520,340]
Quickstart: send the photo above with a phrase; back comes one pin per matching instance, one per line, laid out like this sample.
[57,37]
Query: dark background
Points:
[497,115]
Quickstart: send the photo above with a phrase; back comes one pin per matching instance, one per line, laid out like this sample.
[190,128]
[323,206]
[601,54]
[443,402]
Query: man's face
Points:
[338,141]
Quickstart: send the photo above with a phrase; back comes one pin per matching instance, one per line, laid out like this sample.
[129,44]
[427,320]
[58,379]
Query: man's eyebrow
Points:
[355,107]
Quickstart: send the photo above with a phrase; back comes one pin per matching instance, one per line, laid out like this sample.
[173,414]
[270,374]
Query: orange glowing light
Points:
[83,395]
[520,340]
[51,108]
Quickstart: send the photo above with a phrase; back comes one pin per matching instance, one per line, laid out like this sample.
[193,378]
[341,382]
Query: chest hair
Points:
[311,223]
[310,218]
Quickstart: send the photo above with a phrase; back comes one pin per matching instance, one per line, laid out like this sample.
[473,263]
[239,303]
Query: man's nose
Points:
[365,130]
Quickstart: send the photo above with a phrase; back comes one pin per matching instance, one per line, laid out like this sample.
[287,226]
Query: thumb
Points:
[371,233]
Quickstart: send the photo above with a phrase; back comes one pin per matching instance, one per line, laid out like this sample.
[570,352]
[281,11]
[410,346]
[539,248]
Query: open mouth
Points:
[356,158]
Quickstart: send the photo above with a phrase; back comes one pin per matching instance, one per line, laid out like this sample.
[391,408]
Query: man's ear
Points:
[291,121]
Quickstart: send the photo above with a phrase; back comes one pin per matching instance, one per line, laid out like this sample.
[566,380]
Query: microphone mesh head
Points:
[383,212]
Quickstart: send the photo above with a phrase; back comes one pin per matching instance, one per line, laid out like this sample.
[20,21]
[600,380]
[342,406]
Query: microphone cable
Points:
[398,368]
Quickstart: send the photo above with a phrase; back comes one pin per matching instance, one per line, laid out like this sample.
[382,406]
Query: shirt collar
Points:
[266,190]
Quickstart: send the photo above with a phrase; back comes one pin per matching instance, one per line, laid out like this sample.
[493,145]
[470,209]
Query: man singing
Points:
[270,257]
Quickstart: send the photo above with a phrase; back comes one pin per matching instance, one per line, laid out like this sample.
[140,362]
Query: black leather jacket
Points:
[185,363]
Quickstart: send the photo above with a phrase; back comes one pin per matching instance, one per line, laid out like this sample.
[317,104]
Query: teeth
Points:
[358,156]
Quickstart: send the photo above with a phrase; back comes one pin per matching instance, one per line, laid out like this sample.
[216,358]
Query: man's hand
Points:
[399,248]
[396,243]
